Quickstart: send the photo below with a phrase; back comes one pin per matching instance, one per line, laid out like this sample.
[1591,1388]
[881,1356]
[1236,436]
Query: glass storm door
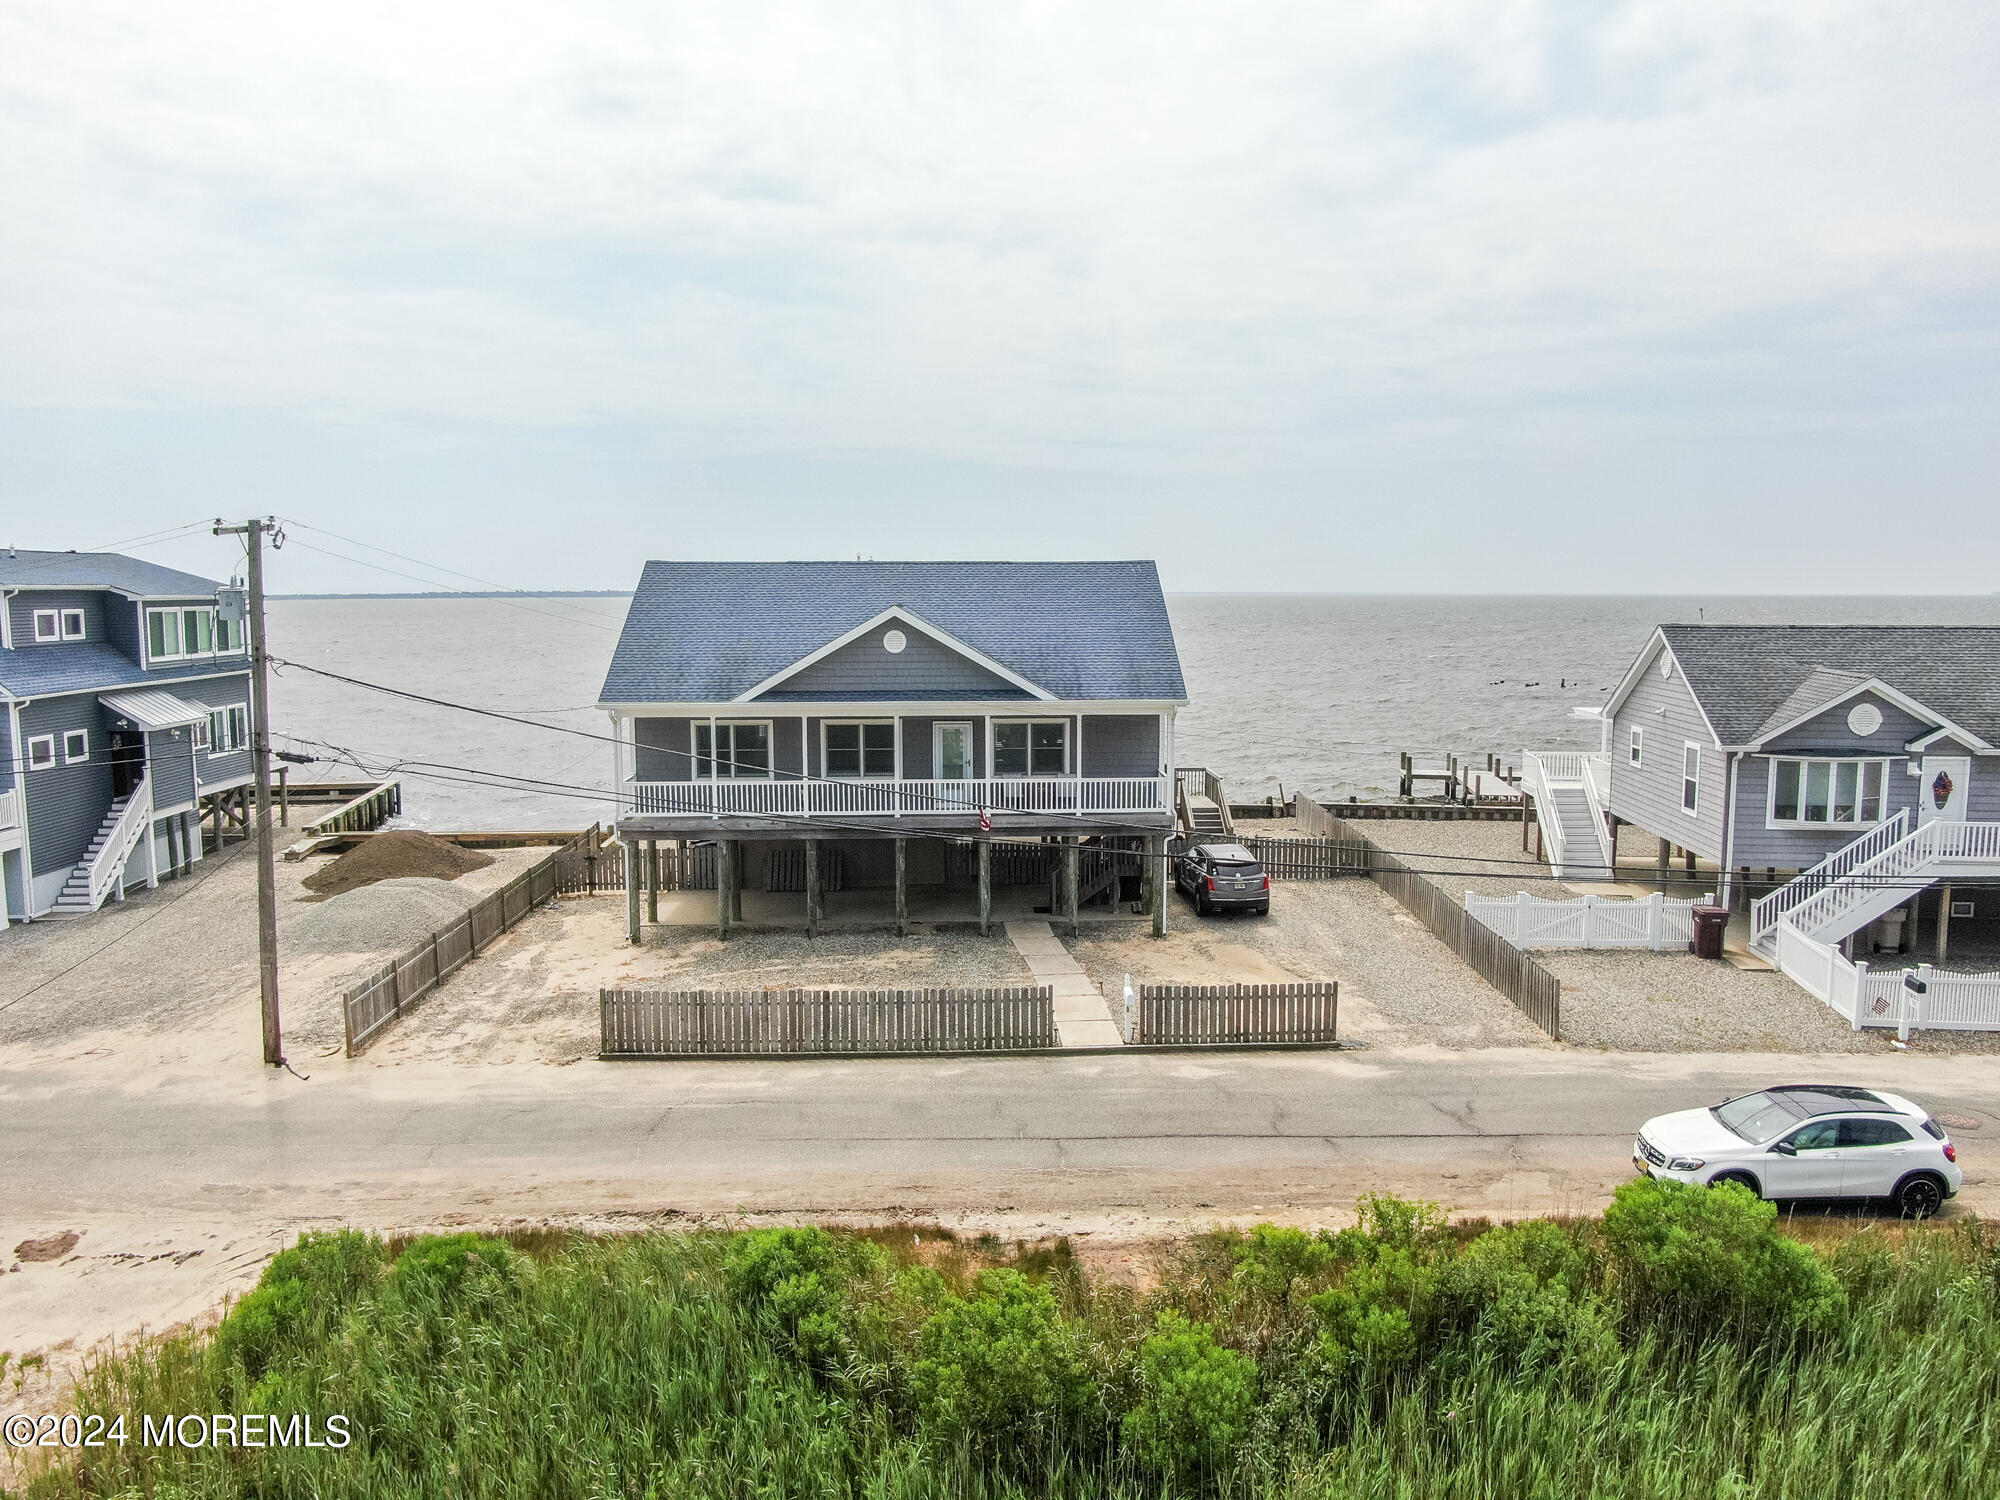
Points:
[954,751]
[1941,792]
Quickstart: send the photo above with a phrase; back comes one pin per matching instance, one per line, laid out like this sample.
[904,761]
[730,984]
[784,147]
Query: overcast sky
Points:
[1494,296]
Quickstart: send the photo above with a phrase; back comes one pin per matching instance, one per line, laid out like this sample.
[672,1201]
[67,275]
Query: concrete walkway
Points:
[1082,1017]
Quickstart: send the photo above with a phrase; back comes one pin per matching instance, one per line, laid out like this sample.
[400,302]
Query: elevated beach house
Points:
[891,723]
[124,704]
[1839,776]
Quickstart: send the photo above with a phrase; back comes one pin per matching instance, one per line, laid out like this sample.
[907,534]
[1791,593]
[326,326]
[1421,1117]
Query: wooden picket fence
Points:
[1201,1014]
[1308,859]
[382,998]
[1533,989]
[758,1023]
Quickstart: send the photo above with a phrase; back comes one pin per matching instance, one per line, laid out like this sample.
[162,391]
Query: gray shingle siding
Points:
[865,669]
[170,760]
[121,625]
[23,608]
[1649,795]
[66,803]
[664,749]
[1121,745]
[8,755]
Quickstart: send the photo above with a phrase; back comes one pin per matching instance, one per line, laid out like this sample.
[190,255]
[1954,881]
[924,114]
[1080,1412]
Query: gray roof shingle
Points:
[707,632]
[1745,674]
[90,666]
[100,570]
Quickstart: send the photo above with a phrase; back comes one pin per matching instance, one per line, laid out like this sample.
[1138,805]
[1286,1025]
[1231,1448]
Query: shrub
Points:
[999,1368]
[1709,1260]
[302,1295]
[446,1265]
[1526,1294]
[800,1279]
[1273,1262]
[1197,1402]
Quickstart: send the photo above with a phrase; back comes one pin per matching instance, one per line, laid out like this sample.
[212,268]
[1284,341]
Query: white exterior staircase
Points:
[1569,791]
[1871,877]
[101,871]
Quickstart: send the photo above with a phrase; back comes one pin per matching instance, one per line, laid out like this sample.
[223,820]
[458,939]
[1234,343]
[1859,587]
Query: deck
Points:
[782,807]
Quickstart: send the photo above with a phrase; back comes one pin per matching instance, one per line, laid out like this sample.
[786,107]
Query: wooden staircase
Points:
[1202,806]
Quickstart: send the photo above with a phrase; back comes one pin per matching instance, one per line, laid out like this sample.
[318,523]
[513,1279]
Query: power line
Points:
[362,562]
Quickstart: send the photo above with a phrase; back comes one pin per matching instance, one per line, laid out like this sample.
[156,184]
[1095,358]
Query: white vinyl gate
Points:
[1526,921]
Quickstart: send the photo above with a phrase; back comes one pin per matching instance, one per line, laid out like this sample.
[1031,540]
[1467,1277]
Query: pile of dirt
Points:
[392,856]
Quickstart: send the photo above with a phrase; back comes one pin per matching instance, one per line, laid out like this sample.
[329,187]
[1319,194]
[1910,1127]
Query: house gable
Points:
[1836,728]
[929,665]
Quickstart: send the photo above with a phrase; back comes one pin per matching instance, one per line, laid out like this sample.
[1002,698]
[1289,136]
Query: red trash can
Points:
[1709,922]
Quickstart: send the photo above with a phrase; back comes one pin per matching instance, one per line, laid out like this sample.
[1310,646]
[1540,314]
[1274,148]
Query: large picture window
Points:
[860,749]
[1031,748]
[737,750]
[228,730]
[177,634]
[1812,792]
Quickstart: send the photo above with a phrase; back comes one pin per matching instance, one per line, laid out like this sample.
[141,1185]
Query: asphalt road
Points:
[1494,1131]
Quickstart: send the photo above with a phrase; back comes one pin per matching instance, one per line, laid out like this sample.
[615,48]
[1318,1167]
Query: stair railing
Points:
[1768,911]
[133,822]
[1535,781]
[1597,795]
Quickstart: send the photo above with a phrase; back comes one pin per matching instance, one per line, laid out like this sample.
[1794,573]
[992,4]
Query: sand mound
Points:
[379,919]
[394,856]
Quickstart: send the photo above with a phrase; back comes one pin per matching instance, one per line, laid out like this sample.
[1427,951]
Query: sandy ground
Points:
[532,996]
[1398,984]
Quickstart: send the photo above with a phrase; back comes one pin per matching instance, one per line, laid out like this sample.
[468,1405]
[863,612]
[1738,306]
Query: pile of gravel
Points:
[383,918]
[389,856]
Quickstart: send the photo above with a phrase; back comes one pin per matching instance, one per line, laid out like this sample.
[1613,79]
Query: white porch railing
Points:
[1900,869]
[1768,911]
[1538,774]
[1597,793]
[1862,996]
[1543,773]
[109,862]
[779,797]
[10,809]
[1588,922]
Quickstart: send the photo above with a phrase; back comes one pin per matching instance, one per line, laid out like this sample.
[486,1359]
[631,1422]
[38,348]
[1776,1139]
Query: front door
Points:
[952,744]
[1942,793]
[128,761]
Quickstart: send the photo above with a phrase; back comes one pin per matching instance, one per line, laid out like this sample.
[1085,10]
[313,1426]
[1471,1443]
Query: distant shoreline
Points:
[478,594]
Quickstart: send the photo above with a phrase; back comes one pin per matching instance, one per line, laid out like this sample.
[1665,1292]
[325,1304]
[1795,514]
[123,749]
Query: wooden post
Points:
[1156,862]
[812,888]
[1666,857]
[653,881]
[736,862]
[985,886]
[902,888]
[1071,852]
[631,890]
[1687,858]
[1944,924]
[285,796]
[724,850]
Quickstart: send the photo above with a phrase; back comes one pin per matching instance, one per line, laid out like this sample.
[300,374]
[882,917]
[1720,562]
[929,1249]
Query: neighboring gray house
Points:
[1863,754]
[875,713]
[124,702]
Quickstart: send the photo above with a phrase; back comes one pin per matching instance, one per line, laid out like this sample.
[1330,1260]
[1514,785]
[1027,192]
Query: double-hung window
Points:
[228,729]
[1637,754]
[1816,792]
[732,750]
[1691,779]
[199,729]
[1031,747]
[860,749]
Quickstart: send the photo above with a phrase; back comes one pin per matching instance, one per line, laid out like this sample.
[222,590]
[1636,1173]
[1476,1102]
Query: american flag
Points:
[985,821]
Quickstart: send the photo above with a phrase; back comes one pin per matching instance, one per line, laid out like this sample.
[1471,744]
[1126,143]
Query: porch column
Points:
[1070,860]
[902,887]
[725,856]
[1666,857]
[812,888]
[631,890]
[1156,869]
[653,881]
[985,847]
[152,855]
[1944,924]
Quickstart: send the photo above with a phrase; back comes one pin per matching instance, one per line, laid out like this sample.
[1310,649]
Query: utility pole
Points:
[253,533]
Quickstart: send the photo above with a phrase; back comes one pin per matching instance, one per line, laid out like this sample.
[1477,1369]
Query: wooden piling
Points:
[1071,859]
[902,887]
[985,886]
[812,888]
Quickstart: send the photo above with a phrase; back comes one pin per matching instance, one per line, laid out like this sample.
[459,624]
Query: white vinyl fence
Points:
[1588,921]
[1863,996]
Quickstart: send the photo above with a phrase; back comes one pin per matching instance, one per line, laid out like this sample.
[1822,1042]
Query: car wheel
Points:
[1919,1197]
[1741,1179]
[1201,906]
[1263,911]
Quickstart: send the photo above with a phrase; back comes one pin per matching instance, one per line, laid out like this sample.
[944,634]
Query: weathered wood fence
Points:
[1196,1014]
[382,998]
[1534,990]
[1308,859]
[756,1023]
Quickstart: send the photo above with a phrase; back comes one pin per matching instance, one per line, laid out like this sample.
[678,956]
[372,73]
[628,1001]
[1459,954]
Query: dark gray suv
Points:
[1224,877]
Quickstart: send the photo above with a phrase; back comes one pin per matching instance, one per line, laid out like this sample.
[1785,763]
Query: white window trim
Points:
[229,713]
[82,625]
[1635,752]
[1772,820]
[896,751]
[81,755]
[53,619]
[992,729]
[714,764]
[938,726]
[198,734]
[180,612]
[48,744]
[1692,810]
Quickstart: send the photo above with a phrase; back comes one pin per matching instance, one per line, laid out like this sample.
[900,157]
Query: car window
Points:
[1821,1135]
[1872,1133]
[1934,1130]
[1758,1118]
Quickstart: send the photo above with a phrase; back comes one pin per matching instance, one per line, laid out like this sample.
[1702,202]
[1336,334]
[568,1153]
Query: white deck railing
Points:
[779,797]
[1539,773]
[1903,867]
[1769,911]
[10,809]
[109,862]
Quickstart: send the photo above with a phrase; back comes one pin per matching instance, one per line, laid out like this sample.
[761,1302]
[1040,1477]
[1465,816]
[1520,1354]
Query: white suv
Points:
[1809,1140]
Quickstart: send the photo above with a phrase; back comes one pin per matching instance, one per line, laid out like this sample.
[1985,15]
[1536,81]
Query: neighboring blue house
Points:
[124,704]
[1839,770]
[876,712]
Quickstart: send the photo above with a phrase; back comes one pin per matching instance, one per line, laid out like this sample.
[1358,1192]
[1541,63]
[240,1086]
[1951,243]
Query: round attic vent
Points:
[1864,719]
[1666,665]
[894,642]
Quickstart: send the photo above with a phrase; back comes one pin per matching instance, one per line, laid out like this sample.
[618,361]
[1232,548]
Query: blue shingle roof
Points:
[702,632]
[100,570]
[88,667]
